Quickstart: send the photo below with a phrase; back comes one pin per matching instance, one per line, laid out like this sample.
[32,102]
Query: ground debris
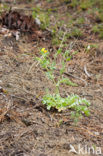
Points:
[5,105]
[26,126]
[15,21]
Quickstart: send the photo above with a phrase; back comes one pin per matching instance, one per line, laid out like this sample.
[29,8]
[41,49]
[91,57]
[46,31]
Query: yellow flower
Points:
[44,50]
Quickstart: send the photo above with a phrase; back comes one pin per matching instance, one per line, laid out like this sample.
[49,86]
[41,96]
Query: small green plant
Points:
[80,20]
[75,32]
[73,102]
[95,29]
[57,37]
[49,1]
[68,55]
[86,4]
[98,29]
[89,47]
[55,40]
[42,16]
[73,4]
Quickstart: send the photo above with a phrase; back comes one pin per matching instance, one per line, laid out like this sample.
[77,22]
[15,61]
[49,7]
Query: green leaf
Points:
[67,82]
[59,50]
[62,70]
[69,58]
[45,63]
[50,75]
[74,102]
[52,66]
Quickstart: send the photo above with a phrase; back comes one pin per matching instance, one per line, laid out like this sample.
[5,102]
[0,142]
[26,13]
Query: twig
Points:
[63,39]
[31,67]
[86,72]
[35,64]
[68,74]
[20,98]
[25,9]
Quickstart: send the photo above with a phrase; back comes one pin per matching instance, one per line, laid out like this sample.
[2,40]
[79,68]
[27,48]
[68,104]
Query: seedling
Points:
[79,106]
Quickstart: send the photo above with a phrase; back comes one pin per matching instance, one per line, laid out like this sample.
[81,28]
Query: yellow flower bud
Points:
[43,50]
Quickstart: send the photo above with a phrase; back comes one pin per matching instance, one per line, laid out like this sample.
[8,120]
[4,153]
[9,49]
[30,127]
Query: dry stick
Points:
[86,72]
[35,63]
[25,9]
[68,74]
[20,98]
[62,40]
[88,131]
[31,67]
